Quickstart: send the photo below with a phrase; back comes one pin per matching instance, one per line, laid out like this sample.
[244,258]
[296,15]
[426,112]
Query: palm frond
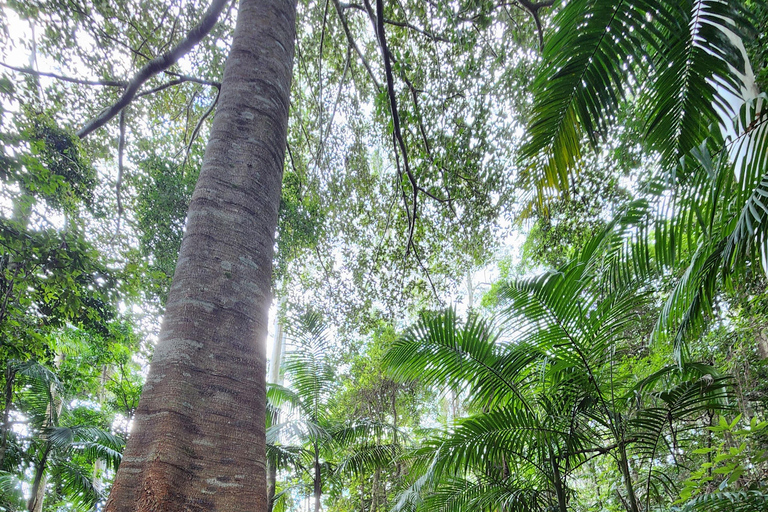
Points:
[676,56]
[486,493]
[727,501]
[686,400]
[693,74]
[284,457]
[35,371]
[12,490]
[307,367]
[439,350]
[77,484]
[92,442]
[367,458]
[362,431]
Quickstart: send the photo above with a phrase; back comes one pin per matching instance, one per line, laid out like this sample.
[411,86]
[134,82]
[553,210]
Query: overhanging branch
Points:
[157,65]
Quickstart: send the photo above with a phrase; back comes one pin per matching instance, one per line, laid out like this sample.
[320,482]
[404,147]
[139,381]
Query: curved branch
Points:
[158,65]
[353,44]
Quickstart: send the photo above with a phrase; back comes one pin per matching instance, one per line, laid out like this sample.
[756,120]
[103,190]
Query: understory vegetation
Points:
[520,262]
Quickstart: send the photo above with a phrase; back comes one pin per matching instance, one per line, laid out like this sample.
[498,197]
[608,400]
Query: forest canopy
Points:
[384,256]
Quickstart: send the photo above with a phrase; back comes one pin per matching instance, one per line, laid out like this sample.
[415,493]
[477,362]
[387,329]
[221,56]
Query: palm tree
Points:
[59,446]
[682,66]
[547,394]
[310,441]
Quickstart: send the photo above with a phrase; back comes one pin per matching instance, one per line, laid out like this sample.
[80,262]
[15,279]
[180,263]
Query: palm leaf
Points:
[727,501]
[366,458]
[676,56]
[76,483]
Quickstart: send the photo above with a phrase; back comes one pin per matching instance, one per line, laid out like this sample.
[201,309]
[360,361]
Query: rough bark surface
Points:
[197,442]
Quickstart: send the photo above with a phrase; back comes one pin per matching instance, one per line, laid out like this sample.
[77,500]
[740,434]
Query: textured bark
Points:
[275,377]
[10,379]
[198,442]
[318,487]
[37,496]
[762,343]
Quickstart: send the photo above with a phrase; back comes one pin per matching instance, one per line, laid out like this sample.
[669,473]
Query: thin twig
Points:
[403,24]
[31,71]
[199,124]
[182,79]
[120,169]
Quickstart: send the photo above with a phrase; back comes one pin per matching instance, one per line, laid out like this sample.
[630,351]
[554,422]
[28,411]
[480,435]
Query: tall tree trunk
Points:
[375,490]
[557,481]
[275,377]
[198,440]
[632,505]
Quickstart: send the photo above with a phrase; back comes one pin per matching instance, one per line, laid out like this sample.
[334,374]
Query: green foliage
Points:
[164,190]
[549,394]
[757,45]
[728,459]
[667,54]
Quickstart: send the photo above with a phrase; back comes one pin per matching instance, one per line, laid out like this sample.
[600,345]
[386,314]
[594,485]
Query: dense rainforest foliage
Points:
[519,264]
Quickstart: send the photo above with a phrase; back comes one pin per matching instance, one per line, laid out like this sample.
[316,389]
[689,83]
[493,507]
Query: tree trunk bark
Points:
[198,440]
[275,377]
[10,378]
[318,487]
[627,477]
[35,503]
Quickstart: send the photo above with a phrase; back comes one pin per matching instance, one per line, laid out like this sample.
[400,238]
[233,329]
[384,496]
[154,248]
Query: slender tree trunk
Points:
[375,490]
[362,494]
[627,476]
[318,491]
[557,480]
[35,503]
[10,378]
[762,343]
[52,413]
[100,465]
[278,349]
[198,440]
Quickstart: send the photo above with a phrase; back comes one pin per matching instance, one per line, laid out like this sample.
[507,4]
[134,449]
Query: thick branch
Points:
[158,65]
[533,8]
[378,21]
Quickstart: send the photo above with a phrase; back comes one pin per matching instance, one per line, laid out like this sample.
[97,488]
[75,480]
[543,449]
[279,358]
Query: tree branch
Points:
[200,122]
[158,65]
[352,43]
[378,22]
[403,24]
[120,168]
[533,8]
[30,71]
[177,81]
